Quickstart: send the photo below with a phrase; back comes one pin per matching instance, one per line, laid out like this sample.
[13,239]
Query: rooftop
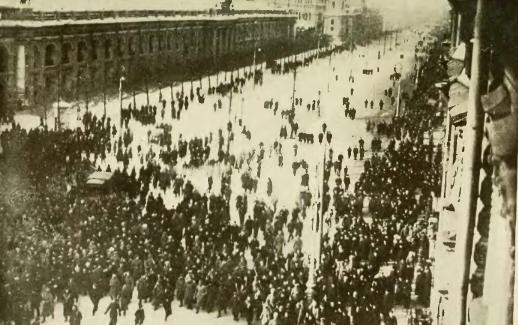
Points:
[62,19]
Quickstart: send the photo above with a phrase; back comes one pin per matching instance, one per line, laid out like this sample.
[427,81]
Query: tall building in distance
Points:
[340,20]
[343,21]
[310,12]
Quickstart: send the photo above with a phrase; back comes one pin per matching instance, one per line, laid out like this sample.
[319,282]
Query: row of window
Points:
[134,45]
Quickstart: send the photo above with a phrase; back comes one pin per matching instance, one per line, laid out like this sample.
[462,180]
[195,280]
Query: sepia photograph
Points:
[258,162]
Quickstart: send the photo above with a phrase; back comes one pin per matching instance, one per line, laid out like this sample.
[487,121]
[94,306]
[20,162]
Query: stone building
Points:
[340,21]
[475,250]
[46,55]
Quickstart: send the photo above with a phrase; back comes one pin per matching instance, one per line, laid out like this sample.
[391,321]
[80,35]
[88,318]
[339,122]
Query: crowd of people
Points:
[63,240]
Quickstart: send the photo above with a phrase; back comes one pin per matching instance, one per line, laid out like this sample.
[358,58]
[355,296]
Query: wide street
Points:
[326,79]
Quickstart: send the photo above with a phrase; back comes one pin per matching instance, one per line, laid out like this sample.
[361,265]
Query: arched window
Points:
[37,58]
[67,49]
[50,55]
[108,49]
[95,48]
[151,44]
[82,54]
[161,43]
[131,46]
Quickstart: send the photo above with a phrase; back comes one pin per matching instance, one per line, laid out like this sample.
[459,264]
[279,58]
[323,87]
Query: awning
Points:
[459,53]
[455,67]
[458,93]
[458,112]
[458,102]
[456,63]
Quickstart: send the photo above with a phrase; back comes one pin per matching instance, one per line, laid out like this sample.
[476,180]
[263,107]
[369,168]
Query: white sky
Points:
[51,5]
[396,12]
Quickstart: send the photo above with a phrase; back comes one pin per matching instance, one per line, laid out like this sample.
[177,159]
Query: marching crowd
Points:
[62,242]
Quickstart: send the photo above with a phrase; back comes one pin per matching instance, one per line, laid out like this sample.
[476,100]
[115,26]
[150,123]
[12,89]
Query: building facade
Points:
[45,55]
[340,21]
[475,253]
[310,13]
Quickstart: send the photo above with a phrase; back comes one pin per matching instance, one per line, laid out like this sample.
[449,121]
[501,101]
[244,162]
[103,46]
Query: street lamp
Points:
[319,92]
[122,79]
[399,88]
[255,54]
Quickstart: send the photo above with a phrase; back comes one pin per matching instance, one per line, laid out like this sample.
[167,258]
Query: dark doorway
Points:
[4,67]
[4,59]
[3,101]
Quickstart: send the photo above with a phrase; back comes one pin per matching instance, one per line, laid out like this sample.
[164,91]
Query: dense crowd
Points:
[64,241]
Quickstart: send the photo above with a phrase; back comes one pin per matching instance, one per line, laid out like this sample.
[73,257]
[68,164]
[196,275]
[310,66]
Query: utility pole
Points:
[172,94]
[147,91]
[122,78]
[294,88]
[471,175]
[87,85]
[120,98]
[104,92]
[384,42]
[321,210]
[58,127]
[134,99]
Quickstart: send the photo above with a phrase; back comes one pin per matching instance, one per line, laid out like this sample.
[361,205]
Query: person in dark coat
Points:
[139,315]
[68,302]
[180,289]
[201,296]
[143,288]
[126,293]
[158,293]
[115,286]
[95,295]
[248,310]
[75,316]
[166,301]
[114,309]
[221,301]
[190,287]
[236,305]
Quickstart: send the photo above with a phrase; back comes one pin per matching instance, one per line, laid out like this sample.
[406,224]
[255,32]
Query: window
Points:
[131,46]
[107,49]
[36,59]
[332,21]
[95,45]
[333,4]
[332,28]
[81,52]
[50,55]
[67,48]
[4,57]
[151,44]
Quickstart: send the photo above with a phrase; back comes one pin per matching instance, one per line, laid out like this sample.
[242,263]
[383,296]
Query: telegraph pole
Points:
[384,42]
[59,98]
[294,85]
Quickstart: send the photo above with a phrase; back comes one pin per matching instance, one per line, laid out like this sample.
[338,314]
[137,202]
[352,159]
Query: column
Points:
[20,70]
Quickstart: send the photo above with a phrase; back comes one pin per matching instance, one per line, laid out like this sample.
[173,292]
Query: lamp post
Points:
[399,89]
[104,92]
[319,92]
[255,54]
[121,80]
[325,141]
[294,87]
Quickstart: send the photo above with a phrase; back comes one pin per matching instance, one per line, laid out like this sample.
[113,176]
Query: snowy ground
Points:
[329,76]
